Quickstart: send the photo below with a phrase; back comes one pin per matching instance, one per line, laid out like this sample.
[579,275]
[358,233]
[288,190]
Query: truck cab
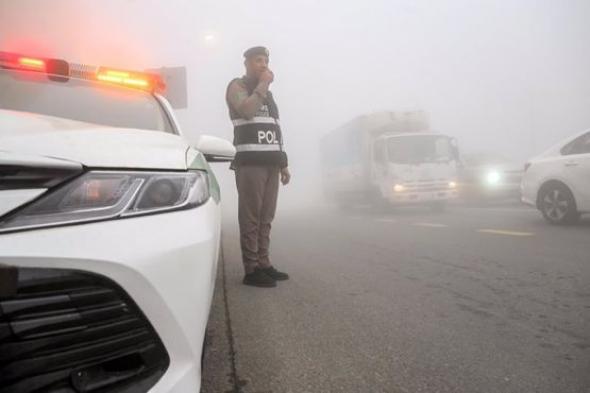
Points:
[415,168]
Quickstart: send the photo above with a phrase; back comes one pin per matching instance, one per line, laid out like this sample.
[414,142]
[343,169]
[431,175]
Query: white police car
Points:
[109,232]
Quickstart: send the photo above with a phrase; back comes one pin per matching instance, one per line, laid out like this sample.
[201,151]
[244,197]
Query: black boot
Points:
[275,274]
[258,278]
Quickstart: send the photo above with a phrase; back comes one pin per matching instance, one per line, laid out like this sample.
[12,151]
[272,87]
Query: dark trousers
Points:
[258,188]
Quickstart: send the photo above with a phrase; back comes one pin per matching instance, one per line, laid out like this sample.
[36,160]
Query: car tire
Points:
[557,204]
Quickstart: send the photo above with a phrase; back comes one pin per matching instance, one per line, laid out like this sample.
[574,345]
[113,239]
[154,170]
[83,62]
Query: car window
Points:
[419,148]
[82,100]
[580,145]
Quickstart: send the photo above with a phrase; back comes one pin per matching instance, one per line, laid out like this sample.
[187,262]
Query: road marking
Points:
[508,233]
[430,225]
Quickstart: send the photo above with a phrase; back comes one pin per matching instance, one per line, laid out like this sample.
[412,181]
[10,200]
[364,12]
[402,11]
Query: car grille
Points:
[64,331]
[427,185]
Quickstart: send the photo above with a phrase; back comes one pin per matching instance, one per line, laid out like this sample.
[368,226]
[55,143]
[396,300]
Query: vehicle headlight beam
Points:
[493,178]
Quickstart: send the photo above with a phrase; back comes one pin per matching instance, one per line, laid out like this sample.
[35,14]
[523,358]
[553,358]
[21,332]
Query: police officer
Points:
[259,163]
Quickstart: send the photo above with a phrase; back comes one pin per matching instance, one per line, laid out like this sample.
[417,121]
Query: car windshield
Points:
[419,148]
[82,100]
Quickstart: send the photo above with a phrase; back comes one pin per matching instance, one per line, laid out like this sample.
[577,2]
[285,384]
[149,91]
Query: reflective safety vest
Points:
[258,140]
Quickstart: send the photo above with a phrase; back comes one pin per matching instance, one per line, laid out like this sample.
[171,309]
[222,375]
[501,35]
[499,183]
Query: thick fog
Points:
[509,78]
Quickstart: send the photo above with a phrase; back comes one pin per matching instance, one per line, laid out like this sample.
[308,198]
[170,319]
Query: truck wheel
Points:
[557,204]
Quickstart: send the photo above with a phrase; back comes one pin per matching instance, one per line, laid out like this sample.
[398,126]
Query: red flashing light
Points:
[60,70]
[51,67]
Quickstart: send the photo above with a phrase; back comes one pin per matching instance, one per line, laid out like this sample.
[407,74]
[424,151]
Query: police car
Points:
[109,232]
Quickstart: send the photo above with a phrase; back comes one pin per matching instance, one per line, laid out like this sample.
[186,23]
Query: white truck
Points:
[389,158]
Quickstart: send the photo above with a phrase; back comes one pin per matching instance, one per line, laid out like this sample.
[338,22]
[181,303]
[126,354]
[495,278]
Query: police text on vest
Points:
[269,137]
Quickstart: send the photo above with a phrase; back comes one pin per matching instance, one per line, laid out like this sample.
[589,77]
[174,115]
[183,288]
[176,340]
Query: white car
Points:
[109,233]
[558,181]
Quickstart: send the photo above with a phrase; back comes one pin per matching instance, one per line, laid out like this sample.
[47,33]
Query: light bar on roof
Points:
[61,70]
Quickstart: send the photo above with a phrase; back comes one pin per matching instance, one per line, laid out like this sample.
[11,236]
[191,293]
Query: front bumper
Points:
[165,262]
[528,198]
[529,192]
[421,197]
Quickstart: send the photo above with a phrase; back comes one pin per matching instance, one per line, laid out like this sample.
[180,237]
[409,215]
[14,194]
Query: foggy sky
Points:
[509,77]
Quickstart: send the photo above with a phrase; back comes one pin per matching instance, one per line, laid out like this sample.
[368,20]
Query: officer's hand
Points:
[267,76]
[285,176]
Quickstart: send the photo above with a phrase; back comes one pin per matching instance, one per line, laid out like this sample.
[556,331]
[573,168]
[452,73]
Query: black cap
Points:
[256,51]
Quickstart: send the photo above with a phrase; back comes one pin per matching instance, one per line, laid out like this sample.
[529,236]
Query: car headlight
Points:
[102,195]
[493,178]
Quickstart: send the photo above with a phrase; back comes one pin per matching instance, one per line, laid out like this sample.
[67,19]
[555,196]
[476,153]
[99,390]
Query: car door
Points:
[576,169]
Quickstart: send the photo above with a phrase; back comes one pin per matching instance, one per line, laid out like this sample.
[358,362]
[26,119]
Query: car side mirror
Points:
[215,149]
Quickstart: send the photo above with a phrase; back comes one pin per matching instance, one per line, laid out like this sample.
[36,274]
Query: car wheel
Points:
[557,204]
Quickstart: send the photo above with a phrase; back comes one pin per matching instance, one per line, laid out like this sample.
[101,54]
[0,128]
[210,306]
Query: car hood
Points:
[89,144]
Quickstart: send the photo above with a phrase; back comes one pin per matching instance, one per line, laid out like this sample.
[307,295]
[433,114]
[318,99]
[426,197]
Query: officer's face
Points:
[256,65]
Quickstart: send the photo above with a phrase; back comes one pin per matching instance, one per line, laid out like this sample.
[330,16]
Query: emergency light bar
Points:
[60,69]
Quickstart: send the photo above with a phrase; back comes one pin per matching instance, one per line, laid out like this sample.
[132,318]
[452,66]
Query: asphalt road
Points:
[471,300]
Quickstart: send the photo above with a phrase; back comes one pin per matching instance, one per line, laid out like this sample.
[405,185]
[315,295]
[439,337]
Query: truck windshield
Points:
[417,149]
[82,100]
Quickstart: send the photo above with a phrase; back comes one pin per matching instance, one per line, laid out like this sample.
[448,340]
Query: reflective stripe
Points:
[254,120]
[258,147]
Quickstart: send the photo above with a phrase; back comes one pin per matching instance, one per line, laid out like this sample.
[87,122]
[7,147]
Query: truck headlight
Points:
[103,195]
